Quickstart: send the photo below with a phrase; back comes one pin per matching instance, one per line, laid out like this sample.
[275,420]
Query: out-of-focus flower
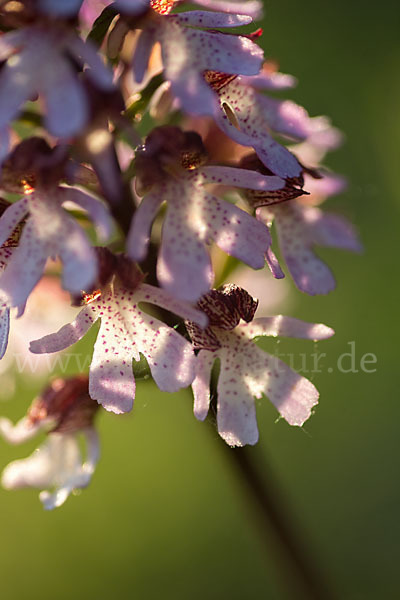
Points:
[57,467]
[169,168]
[47,309]
[125,332]
[246,372]
[48,231]
[36,62]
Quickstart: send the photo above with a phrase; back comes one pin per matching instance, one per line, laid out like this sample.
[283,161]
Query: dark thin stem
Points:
[273,516]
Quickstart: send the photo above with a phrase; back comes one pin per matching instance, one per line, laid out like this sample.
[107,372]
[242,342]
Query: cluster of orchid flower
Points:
[78,82]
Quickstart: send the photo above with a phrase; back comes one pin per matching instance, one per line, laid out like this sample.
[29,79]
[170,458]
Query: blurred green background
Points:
[166,515]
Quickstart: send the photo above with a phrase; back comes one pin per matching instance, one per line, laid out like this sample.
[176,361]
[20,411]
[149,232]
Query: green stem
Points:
[273,516]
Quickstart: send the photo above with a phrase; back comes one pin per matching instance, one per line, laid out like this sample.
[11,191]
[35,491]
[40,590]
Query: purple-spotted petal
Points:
[201,384]
[68,334]
[11,217]
[184,266]
[139,234]
[236,416]
[200,18]
[242,178]
[111,380]
[170,358]
[238,233]
[286,327]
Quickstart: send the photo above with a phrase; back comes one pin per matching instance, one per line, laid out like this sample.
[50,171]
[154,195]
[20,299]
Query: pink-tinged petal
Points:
[142,53]
[85,52]
[270,81]
[66,103]
[323,136]
[99,213]
[79,260]
[170,357]
[242,178]
[184,266]
[200,18]
[286,327]
[139,234]
[299,229]
[16,87]
[273,264]
[244,366]
[25,269]
[111,380]
[201,384]
[61,8]
[329,185]
[159,297]
[11,217]
[132,7]
[252,8]
[333,231]
[236,416]
[68,334]
[238,233]
[285,116]
[4,329]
